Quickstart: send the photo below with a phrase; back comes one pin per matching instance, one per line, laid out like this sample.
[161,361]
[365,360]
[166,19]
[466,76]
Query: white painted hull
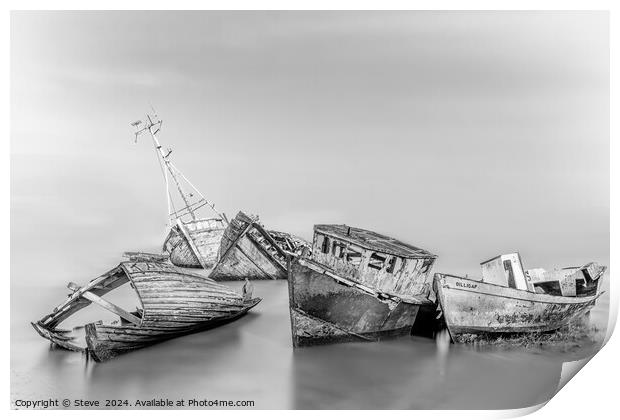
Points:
[471,306]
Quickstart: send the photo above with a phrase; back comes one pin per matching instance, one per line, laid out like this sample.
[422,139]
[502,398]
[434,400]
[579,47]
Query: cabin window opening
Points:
[391,264]
[325,245]
[510,274]
[338,249]
[319,239]
[377,261]
[426,265]
[354,255]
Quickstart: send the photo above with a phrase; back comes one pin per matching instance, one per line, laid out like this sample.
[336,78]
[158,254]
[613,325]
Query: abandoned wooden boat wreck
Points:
[570,281]
[172,302]
[196,242]
[290,244]
[247,250]
[192,241]
[357,285]
[504,301]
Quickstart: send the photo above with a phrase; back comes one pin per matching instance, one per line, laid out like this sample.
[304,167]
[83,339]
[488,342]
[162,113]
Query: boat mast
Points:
[167,163]
[153,125]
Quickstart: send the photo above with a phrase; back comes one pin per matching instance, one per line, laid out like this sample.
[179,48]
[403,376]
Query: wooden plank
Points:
[273,243]
[191,243]
[233,244]
[71,305]
[112,308]
[107,305]
[145,256]
[252,260]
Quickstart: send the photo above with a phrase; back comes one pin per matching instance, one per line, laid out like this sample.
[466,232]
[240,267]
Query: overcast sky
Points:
[465,133]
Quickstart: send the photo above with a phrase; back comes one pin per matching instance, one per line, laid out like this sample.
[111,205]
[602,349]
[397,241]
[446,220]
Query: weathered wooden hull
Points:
[326,308]
[174,302]
[195,244]
[471,306]
[248,251]
[108,341]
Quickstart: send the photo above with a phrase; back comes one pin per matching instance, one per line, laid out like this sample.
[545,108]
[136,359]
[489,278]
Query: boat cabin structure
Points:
[373,260]
[356,285]
[506,270]
[569,281]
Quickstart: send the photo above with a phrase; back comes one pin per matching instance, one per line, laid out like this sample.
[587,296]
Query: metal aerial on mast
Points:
[152,125]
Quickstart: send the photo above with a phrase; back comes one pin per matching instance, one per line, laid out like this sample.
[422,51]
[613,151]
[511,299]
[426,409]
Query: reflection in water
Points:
[442,340]
[253,359]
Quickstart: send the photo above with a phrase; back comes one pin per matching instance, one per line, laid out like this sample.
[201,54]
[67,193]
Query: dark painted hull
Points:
[326,309]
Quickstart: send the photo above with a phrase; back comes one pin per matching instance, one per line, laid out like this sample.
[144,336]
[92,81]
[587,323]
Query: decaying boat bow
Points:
[358,285]
[173,302]
[247,250]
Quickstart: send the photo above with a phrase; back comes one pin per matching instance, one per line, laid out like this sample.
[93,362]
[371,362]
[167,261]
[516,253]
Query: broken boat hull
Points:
[326,308]
[108,341]
[290,244]
[247,250]
[574,281]
[471,306]
[174,302]
[195,244]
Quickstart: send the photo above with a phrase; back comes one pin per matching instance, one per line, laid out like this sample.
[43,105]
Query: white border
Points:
[591,394]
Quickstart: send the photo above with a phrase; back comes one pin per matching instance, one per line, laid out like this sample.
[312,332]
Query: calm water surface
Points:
[252,359]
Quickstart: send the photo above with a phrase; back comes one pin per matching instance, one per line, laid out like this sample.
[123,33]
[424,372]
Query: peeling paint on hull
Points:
[326,310]
[471,306]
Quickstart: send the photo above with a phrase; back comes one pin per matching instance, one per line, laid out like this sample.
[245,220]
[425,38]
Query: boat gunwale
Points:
[561,300]
[252,223]
[246,306]
[381,295]
[456,329]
